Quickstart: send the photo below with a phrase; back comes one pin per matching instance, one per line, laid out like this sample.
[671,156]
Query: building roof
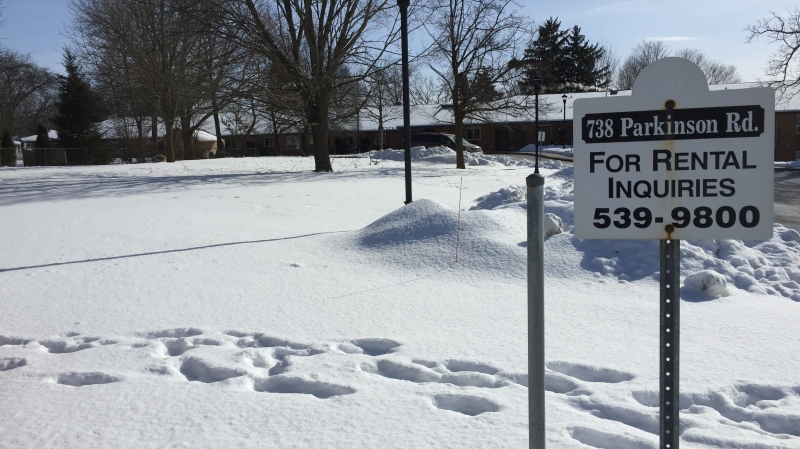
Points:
[552,110]
[32,139]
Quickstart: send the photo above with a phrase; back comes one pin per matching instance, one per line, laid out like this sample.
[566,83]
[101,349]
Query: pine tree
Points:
[545,57]
[77,109]
[8,153]
[580,62]
[43,143]
[564,59]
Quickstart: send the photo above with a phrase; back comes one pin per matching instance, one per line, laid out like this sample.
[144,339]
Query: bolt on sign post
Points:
[674,160]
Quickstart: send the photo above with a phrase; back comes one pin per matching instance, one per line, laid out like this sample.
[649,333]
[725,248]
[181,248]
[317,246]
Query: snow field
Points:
[253,303]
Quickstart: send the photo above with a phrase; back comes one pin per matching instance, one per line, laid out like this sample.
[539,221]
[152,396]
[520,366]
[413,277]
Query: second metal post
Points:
[536,395]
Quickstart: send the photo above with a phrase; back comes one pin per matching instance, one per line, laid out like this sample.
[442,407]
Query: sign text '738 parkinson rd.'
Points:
[674,159]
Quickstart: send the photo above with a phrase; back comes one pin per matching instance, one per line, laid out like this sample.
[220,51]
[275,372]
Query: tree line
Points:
[306,66]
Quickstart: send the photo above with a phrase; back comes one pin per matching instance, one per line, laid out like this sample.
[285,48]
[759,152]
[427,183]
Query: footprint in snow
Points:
[83,379]
[10,363]
[465,404]
[588,373]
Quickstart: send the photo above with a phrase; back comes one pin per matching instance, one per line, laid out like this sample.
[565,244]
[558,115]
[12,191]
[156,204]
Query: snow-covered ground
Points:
[254,303]
[554,149]
[789,164]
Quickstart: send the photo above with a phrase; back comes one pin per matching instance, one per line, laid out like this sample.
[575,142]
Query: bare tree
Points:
[644,54]
[473,42]
[384,96]
[101,38]
[783,65]
[610,62]
[276,100]
[715,71]
[138,37]
[648,52]
[157,58]
[426,90]
[311,41]
[24,87]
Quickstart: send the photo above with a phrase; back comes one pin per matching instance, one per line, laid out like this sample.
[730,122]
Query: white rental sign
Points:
[675,160]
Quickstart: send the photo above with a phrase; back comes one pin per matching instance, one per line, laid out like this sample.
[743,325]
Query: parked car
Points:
[439,139]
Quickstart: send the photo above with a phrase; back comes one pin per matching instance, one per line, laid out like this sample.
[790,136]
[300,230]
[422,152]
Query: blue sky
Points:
[715,27]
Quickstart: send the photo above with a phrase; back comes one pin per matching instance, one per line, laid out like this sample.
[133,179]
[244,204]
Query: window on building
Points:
[797,127]
[293,142]
[472,133]
[269,142]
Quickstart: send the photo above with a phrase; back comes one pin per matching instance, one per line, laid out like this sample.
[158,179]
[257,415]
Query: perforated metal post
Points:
[670,343]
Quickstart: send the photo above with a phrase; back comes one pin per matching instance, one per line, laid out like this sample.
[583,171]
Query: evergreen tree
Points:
[580,62]
[480,88]
[77,109]
[8,153]
[564,59]
[43,142]
[545,56]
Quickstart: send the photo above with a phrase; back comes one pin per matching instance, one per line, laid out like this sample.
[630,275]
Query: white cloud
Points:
[674,38]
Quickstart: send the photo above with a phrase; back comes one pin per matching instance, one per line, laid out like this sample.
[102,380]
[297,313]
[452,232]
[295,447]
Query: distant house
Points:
[29,142]
[32,156]
[513,130]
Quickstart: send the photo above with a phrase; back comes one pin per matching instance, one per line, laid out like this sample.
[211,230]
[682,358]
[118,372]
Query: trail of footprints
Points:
[265,363]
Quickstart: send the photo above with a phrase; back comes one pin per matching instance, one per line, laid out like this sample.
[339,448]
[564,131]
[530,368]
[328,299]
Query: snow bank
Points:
[445,155]
[424,235]
[770,267]
[531,148]
[706,283]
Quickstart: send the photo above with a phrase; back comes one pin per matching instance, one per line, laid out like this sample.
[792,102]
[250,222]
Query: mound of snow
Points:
[509,195]
[420,220]
[706,283]
[770,267]
[552,225]
[423,234]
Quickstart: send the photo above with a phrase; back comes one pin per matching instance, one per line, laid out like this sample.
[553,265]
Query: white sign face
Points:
[675,160]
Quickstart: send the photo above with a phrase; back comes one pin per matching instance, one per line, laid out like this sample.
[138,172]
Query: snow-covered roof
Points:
[432,115]
[32,139]
[124,128]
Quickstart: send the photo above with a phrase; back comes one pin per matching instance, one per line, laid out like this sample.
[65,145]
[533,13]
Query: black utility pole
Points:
[537,86]
[403,4]
[564,123]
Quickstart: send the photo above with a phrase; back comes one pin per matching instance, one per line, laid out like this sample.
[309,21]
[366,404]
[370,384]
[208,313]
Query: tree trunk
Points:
[380,127]
[169,144]
[140,138]
[319,120]
[154,134]
[186,137]
[220,143]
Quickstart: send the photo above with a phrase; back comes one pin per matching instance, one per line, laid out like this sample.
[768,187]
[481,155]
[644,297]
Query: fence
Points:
[45,157]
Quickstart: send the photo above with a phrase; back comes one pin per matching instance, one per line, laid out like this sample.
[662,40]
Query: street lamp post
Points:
[537,86]
[564,124]
[403,4]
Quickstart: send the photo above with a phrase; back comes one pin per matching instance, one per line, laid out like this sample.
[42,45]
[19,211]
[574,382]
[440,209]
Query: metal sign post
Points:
[674,160]
[536,394]
[669,342]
